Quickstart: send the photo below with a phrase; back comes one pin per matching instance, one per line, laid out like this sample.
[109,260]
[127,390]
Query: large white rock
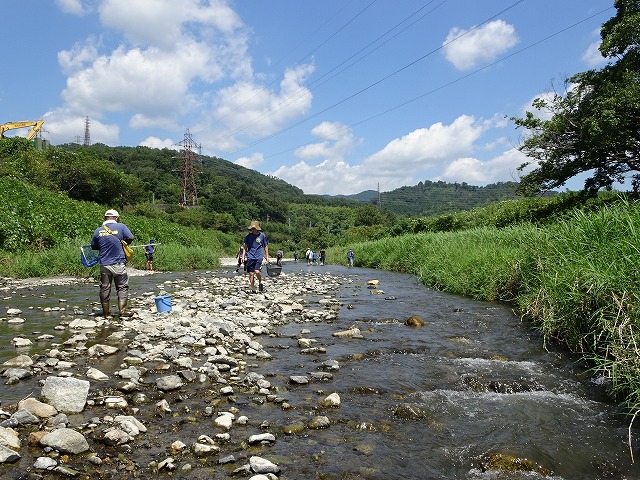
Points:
[83,324]
[21,361]
[224,421]
[95,374]
[99,349]
[38,408]
[65,440]
[66,394]
[332,400]
[262,465]
[21,342]
[9,438]
[8,456]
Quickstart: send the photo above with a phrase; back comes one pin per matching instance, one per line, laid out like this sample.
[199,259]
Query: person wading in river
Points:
[255,249]
[113,264]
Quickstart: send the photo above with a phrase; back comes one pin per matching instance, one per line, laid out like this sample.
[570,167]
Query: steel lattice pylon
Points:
[188,170]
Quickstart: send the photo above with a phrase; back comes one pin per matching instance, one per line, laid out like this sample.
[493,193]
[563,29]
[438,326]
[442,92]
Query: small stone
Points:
[298,379]
[262,465]
[319,422]
[262,438]
[177,446]
[8,456]
[45,463]
[169,382]
[65,440]
[37,407]
[332,400]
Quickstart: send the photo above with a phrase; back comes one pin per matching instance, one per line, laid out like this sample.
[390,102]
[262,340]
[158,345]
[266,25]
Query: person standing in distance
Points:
[113,264]
[149,250]
[255,249]
[350,258]
[239,257]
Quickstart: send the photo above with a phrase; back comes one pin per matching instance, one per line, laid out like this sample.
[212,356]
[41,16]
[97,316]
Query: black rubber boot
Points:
[122,304]
[106,310]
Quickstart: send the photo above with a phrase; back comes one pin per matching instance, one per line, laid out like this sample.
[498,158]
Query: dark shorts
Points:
[149,256]
[253,264]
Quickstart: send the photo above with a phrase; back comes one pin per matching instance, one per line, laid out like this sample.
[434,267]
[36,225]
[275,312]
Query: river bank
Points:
[317,377]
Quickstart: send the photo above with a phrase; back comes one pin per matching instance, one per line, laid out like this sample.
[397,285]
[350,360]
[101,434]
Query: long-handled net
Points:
[88,256]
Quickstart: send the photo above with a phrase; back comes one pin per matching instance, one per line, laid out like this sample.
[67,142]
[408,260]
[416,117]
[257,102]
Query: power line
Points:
[370,86]
[441,87]
[352,19]
[302,91]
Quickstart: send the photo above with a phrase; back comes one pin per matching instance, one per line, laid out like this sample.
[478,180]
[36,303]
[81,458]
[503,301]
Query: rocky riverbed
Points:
[173,384]
[330,373]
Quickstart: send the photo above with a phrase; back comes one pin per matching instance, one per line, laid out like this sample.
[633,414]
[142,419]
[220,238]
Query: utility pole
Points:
[188,169]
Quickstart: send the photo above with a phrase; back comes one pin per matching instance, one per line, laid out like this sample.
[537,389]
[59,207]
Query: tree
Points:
[595,124]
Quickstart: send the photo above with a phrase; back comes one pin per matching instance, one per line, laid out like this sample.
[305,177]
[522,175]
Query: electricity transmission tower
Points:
[188,170]
[87,136]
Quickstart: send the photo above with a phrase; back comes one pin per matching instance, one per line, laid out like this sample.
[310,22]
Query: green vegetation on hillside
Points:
[43,231]
[436,198]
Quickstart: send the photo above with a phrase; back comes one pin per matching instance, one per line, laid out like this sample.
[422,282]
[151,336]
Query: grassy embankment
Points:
[42,233]
[576,280]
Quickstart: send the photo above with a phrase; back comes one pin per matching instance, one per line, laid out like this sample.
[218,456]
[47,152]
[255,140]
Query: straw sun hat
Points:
[255,224]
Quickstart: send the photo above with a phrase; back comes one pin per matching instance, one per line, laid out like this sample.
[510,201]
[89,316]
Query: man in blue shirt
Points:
[107,240]
[149,250]
[255,248]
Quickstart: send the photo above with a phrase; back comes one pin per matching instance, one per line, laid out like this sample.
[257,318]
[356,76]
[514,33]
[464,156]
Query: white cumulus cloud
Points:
[170,50]
[74,7]
[323,168]
[250,110]
[162,22]
[592,56]
[426,148]
[65,126]
[155,142]
[467,48]
[252,161]
[502,168]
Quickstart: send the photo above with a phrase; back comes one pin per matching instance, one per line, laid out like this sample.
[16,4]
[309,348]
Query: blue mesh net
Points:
[88,256]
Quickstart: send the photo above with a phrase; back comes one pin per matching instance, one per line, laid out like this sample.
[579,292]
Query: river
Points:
[416,403]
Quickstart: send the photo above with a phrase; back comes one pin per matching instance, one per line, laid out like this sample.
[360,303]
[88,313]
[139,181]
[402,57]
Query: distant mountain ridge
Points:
[436,198]
[227,188]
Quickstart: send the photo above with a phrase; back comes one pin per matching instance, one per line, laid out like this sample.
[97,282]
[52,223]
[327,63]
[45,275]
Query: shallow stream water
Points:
[480,377]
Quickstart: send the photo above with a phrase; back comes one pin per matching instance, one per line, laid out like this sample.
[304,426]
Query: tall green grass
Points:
[42,232]
[64,259]
[583,290]
[482,263]
[576,280]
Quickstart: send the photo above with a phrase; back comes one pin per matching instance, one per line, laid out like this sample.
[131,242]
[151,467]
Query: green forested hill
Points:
[225,187]
[222,185]
[148,182]
[436,198]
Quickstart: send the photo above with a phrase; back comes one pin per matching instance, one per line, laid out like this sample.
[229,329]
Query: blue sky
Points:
[335,97]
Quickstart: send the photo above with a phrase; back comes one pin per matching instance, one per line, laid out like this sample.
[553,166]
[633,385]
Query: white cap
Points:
[111,213]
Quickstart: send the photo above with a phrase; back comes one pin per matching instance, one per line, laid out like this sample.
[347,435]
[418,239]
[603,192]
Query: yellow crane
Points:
[36,126]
